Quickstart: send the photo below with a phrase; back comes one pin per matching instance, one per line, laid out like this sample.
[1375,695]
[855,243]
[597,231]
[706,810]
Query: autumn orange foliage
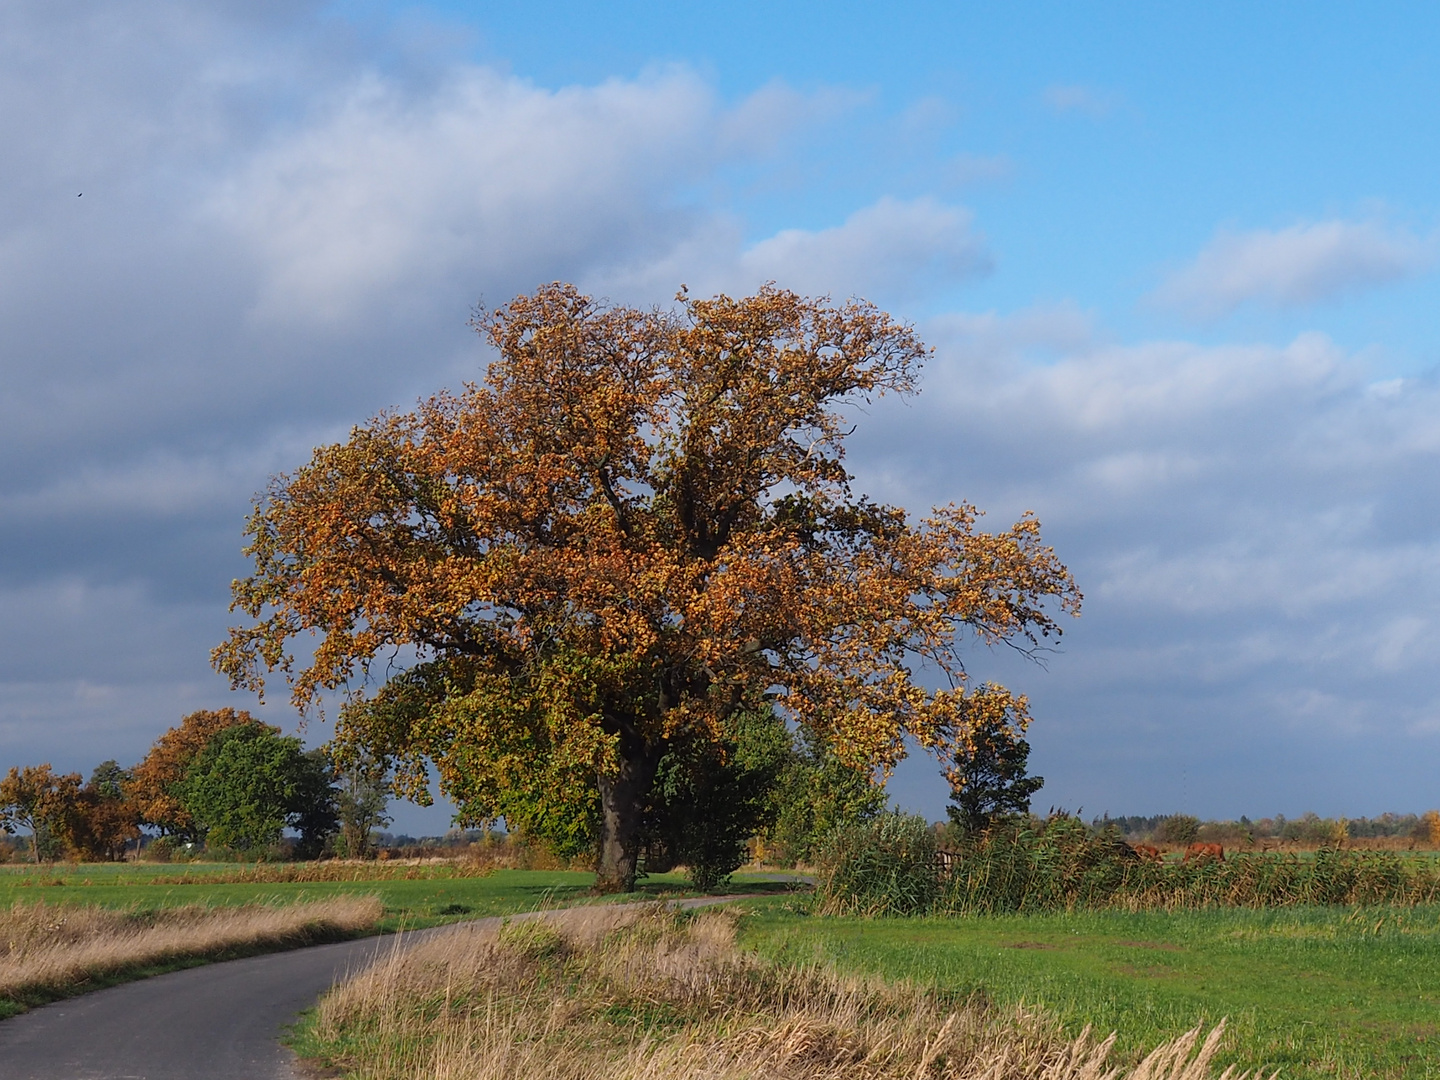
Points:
[37,798]
[640,521]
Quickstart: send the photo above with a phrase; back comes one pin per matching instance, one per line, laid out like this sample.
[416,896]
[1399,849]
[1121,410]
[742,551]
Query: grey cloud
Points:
[1243,522]
[276,238]
[1293,267]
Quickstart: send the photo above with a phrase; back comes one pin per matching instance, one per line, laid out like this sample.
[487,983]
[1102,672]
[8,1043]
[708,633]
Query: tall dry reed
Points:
[623,995]
[888,867]
[52,950]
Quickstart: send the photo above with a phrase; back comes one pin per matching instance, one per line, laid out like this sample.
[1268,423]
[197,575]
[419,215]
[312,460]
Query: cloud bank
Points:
[1255,530]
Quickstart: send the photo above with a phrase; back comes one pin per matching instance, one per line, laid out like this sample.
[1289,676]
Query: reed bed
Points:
[654,995]
[890,867]
[48,951]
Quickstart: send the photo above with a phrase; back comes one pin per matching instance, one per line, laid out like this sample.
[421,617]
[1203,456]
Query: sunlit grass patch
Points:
[619,993]
[1315,991]
[48,951]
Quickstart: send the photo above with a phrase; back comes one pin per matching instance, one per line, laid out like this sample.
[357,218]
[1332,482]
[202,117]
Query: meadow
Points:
[413,896]
[1317,992]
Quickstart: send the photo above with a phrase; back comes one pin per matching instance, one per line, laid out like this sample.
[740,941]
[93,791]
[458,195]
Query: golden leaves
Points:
[663,493]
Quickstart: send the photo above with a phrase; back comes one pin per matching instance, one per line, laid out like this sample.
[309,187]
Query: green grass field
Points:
[1316,992]
[439,897]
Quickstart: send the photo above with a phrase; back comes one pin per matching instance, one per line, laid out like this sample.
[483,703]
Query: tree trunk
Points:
[622,801]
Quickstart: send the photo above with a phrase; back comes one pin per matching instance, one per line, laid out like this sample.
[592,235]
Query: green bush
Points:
[884,866]
[709,799]
[816,793]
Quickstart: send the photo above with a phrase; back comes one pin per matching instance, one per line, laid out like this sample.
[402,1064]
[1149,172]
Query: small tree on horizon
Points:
[988,777]
[250,783]
[154,784]
[39,799]
[361,798]
[106,819]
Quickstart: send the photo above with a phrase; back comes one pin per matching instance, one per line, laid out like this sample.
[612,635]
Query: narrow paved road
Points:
[217,1022]
[221,1021]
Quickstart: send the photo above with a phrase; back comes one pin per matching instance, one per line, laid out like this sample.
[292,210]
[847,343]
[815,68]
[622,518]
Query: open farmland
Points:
[1319,992]
[414,896]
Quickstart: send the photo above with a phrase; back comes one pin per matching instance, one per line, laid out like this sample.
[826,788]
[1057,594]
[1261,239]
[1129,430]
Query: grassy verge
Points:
[55,951]
[605,993]
[1319,992]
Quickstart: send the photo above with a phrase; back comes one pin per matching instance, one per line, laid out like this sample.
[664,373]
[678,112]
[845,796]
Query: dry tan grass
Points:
[51,950]
[606,993]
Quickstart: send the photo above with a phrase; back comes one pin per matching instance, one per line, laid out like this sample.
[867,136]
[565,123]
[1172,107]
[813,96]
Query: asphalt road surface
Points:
[217,1022]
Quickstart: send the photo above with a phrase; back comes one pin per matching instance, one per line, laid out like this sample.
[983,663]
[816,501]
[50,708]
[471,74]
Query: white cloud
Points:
[965,169]
[486,176]
[888,251]
[891,249]
[1292,267]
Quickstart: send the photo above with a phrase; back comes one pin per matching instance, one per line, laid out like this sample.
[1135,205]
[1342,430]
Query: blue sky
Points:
[1178,264]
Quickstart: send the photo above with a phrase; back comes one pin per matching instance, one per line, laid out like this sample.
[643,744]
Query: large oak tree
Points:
[639,522]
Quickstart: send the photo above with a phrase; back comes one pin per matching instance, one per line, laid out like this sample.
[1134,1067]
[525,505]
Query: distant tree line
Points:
[219,780]
[1309,828]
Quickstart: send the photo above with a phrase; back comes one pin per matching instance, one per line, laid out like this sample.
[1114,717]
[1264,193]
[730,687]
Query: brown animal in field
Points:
[1146,851]
[1199,851]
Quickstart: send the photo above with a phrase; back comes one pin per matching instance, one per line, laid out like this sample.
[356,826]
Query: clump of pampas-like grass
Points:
[623,994]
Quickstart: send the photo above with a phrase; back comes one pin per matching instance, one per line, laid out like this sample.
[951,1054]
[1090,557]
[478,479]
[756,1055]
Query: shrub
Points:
[884,866]
[709,798]
[817,792]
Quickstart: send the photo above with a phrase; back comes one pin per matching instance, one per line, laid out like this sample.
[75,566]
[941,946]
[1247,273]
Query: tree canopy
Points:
[988,779]
[40,800]
[154,784]
[638,524]
[250,782]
